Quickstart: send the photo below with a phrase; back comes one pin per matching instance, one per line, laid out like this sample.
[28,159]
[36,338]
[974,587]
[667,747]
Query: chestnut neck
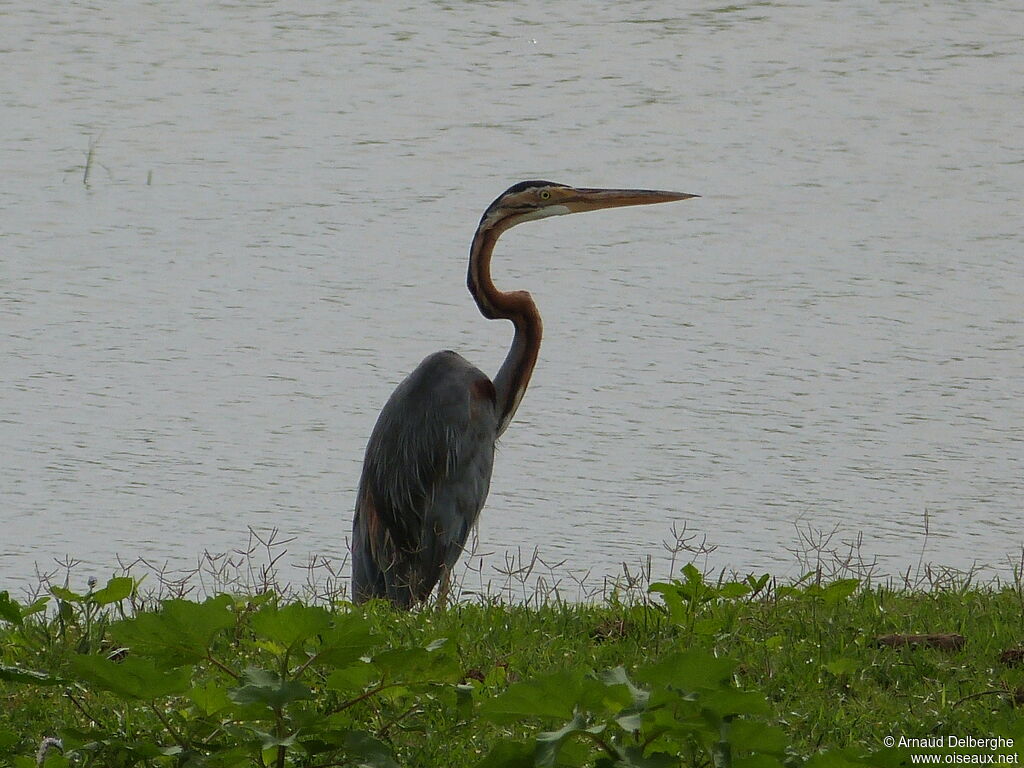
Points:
[518,306]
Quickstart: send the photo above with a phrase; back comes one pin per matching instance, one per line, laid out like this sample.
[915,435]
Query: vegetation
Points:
[701,672]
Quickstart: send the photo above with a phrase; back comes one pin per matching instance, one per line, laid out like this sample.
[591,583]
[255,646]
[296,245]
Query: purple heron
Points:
[428,462]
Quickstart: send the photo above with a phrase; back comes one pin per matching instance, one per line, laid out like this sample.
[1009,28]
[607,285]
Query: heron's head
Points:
[530,200]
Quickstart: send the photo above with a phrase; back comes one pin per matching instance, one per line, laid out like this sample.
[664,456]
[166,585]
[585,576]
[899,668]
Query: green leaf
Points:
[757,761]
[464,702]
[734,590]
[180,633]
[756,736]
[845,758]
[10,610]
[367,751]
[65,610]
[552,696]
[437,644]
[269,740]
[692,574]
[633,757]
[689,671]
[673,600]
[117,589]
[758,583]
[210,698]
[347,641]
[135,677]
[37,607]
[637,697]
[840,590]
[549,743]
[730,701]
[354,678]
[19,675]
[709,627]
[415,664]
[7,740]
[290,625]
[631,721]
[262,686]
[509,754]
[67,595]
[843,666]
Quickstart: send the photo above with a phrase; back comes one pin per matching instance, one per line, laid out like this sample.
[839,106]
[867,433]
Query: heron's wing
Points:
[427,471]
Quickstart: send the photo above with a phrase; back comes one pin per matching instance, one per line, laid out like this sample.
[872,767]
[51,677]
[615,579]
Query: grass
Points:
[261,678]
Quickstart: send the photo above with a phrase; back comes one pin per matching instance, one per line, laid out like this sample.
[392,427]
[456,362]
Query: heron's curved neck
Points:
[517,306]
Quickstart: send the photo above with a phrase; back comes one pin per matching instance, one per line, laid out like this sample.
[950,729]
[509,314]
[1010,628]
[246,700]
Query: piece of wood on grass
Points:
[946,641]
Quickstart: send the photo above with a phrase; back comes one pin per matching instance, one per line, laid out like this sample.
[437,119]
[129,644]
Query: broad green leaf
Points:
[709,627]
[617,676]
[633,757]
[37,607]
[631,720]
[367,751]
[756,736]
[344,643]
[269,740]
[290,625]
[67,595]
[10,610]
[509,754]
[19,675]
[262,686]
[464,702]
[117,589]
[689,670]
[437,644]
[692,574]
[840,590]
[354,678]
[757,761]
[670,712]
[733,590]
[848,758]
[549,743]
[135,677]
[7,740]
[552,696]
[65,610]
[844,665]
[757,583]
[730,701]
[673,601]
[210,698]
[418,664]
[180,633]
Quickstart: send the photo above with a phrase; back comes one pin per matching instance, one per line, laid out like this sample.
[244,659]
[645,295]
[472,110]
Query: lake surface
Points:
[199,333]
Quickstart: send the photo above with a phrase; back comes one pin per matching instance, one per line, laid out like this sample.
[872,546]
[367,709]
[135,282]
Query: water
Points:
[274,230]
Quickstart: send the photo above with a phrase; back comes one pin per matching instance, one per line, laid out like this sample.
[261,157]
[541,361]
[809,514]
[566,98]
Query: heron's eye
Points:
[545,194]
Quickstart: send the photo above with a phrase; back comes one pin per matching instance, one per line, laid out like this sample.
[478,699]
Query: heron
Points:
[428,462]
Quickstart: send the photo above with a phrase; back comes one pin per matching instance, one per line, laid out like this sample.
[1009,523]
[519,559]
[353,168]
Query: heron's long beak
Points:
[595,199]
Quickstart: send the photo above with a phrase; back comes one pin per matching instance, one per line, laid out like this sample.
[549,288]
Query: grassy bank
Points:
[745,673]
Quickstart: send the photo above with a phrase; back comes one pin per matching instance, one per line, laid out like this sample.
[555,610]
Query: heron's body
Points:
[428,463]
[410,526]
